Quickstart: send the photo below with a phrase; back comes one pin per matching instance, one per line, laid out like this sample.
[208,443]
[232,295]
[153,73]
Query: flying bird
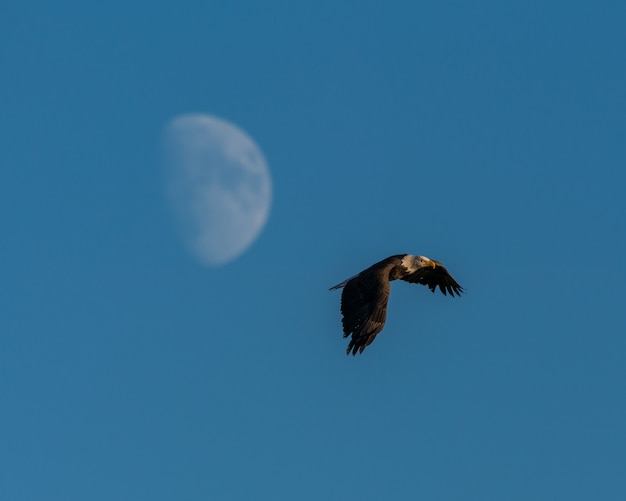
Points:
[364,297]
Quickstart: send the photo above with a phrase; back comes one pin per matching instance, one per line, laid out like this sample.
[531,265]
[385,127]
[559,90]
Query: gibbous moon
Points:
[218,185]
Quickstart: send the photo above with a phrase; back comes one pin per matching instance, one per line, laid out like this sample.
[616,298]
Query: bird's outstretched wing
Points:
[364,309]
[435,277]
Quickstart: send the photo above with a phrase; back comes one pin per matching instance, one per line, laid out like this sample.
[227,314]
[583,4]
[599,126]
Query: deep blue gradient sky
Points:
[488,135]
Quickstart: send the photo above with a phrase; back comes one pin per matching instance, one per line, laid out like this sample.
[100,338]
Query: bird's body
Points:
[364,297]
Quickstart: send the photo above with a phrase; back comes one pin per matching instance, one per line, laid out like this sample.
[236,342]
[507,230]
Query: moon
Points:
[218,185]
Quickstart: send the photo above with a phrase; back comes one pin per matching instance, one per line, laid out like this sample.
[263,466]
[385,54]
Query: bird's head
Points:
[423,262]
[414,263]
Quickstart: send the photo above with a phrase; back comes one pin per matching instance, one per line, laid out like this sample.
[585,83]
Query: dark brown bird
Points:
[364,297]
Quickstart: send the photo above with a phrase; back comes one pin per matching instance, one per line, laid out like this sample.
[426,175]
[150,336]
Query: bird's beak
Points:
[432,264]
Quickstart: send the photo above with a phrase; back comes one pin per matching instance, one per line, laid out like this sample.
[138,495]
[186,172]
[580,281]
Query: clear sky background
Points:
[488,135]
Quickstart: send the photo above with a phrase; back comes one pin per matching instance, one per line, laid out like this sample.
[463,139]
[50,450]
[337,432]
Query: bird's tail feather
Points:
[342,284]
[338,286]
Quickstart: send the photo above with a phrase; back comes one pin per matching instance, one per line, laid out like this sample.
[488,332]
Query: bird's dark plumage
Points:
[365,296]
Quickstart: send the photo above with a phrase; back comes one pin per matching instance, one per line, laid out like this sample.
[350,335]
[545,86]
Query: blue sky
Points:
[487,135]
